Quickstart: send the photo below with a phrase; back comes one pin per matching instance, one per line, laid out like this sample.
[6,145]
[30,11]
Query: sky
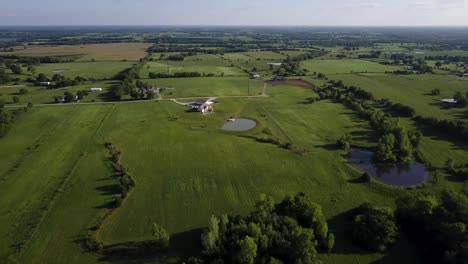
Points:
[236,12]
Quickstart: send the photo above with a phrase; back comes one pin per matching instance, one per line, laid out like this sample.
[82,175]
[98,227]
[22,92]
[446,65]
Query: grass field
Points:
[60,148]
[96,70]
[42,95]
[265,55]
[414,91]
[98,52]
[199,63]
[346,66]
[212,86]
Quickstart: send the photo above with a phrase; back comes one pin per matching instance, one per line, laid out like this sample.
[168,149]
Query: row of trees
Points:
[160,75]
[8,117]
[292,231]
[396,143]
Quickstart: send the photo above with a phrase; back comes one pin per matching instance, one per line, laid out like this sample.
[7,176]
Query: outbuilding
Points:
[256,76]
[449,101]
[44,83]
[96,89]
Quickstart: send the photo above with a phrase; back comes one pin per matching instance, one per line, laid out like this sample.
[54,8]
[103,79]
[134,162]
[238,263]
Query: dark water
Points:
[412,174]
[240,124]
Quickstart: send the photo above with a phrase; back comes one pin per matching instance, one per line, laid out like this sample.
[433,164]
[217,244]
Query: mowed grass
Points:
[96,70]
[88,52]
[47,151]
[42,95]
[346,66]
[206,63]
[209,87]
[414,91]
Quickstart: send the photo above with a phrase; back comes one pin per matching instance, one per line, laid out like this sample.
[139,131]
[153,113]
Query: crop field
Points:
[98,52]
[414,91]
[346,66]
[199,63]
[209,86]
[96,70]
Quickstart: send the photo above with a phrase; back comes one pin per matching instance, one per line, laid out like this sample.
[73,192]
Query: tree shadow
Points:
[330,147]
[182,246]
[111,189]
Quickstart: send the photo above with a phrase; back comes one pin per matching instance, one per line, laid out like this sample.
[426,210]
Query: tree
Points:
[345,142]
[160,236]
[15,99]
[42,78]
[374,228]
[23,91]
[385,148]
[438,64]
[16,69]
[69,97]
[247,251]
[4,77]
[435,92]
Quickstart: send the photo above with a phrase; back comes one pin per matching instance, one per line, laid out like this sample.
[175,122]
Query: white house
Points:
[203,106]
[449,101]
[96,89]
[256,76]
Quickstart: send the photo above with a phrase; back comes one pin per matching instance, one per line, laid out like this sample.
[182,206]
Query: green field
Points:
[414,91]
[96,70]
[346,66]
[42,95]
[265,55]
[211,86]
[198,63]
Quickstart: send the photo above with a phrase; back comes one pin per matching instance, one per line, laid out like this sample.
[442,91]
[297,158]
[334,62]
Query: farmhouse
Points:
[203,106]
[96,89]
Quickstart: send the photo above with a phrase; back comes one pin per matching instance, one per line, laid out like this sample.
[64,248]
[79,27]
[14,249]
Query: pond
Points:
[59,70]
[239,124]
[402,175]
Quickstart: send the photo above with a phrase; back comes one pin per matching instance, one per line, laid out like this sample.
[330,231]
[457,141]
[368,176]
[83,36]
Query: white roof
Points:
[449,100]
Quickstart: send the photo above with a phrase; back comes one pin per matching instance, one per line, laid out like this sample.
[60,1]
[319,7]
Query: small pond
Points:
[59,70]
[402,175]
[240,124]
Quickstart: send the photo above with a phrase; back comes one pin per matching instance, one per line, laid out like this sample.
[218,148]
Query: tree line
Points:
[7,117]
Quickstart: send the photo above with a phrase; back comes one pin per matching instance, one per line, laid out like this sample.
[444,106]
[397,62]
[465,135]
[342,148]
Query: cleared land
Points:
[98,52]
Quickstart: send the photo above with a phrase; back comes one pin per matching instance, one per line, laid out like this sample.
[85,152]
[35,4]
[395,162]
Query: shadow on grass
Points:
[182,246]
[437,134]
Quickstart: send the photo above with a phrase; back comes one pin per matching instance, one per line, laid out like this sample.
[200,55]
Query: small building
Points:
[44,83]
[96,89]
[465,75]
[449,101]
[466,66]
[275,63]
[256,76]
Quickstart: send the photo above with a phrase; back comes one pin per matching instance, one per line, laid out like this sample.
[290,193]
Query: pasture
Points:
[95,70]
[42,95]
[199,63]
[414,91]
[89,52]
[209,86]
[346,66]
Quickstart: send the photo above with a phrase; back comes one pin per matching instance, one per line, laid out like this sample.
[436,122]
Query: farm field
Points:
[96,70]
[265,55]
[414,91]
[199,63]
[346,66]
[209,86]
[42,95]
[98,52]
